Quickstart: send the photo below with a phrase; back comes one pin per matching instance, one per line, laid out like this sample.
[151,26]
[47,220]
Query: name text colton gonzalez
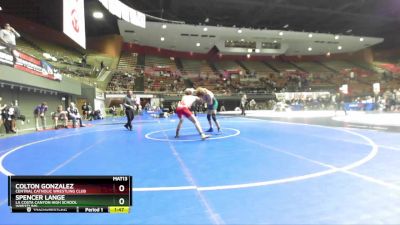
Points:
[34,194]
[48,188]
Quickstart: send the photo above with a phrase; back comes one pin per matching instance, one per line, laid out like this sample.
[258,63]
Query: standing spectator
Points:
[2,116]
[6,114]
[84,60]
[101,65]
[129,109]
[10,113]
[73,114]
[16,114]
[243,102]
[39,112]
[8,35]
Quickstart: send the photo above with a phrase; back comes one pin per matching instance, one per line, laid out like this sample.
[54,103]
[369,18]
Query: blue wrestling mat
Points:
[252,172]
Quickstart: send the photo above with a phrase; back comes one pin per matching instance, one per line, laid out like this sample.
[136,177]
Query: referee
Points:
[129,107]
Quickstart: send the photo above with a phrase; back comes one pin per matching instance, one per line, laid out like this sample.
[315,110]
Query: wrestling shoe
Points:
[210,130]
[204,137]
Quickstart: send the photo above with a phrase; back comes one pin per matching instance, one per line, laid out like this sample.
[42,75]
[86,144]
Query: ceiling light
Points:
[240,31]
[281,33]
[286,26]
[205,29]
[339,47]
[257,50]
[248,56]
[162,39]
[249,50]
[310,35]
[242,40]
[198,44]
[361,39]
[164,26]
[207,20]
[309,49]
[328,54]
[275,41]
[337,37]
[349,31]
[98,15]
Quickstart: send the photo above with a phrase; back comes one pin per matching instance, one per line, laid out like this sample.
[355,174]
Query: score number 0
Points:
[121,188]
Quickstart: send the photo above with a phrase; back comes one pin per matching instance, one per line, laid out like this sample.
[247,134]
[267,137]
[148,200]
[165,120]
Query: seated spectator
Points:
[113,111]
[86,110]
[60,115]
[96,115]
[39,112]
[73,114]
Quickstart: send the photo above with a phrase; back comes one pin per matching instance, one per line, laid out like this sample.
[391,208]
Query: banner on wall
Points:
[301,95]
[29,64]
[74,21]
[124,12]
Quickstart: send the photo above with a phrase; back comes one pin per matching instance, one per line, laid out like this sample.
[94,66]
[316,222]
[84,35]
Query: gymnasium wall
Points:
[27,101]
[11,75]
[30,90]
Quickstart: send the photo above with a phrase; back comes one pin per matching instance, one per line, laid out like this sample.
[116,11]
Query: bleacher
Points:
[155,61]
[26,47]
[191,66]
[64,55]
[313,67]
[338,65]
[127,62]
[226,65]
[282,66]
[259,68]
[121,81]
[194,68]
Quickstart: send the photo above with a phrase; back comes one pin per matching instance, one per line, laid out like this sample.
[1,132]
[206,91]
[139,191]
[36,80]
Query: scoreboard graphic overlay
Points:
[72,194]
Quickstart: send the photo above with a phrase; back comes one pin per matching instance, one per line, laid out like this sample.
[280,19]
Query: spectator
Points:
[39,112]
[16,115]
[73,114]
[222,109]
[84,60]
[253,104]
[113,111]
[10,114]
[86,110]
[96,115]
[243,102]
[60,114]
[7,36]
[2,116]
[7,114]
